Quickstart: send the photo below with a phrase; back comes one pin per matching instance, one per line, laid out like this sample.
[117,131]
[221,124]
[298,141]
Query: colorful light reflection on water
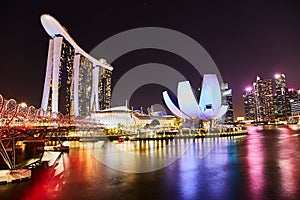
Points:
[265,164]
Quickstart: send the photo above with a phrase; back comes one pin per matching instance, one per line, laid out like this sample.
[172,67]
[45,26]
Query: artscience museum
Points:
[207,108]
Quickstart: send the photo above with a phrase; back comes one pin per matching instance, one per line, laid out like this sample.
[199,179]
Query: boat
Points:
[88,139]
[121,139]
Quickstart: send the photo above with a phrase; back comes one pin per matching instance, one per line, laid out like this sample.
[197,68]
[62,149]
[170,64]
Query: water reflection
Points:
[139,156]
[50,182]
[288,163]
[255,155]
[262,165]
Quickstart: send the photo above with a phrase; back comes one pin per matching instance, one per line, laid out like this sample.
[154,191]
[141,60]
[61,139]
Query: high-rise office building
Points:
[250,104]
[65,77]
[227,100]
[281,102]
[104,88]
[258,101]
[268,106]
[264,100]
[293,101]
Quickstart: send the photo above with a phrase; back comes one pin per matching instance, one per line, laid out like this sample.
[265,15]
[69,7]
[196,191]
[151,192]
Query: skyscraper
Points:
[57,94]
[258,101]
[73,77]
[227,100]
[285,102]
[281,102]
[84,86]
[104,88]
[293,102]
[264,100]
[65,77]
[250,104]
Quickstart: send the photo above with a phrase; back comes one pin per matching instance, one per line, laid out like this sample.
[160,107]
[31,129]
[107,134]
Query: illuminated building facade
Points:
[259,101]
[57,93]
[72,76]
[250,104]
[281,102]
[268,107]
[264,100]
[104,89]
[293,102]
[84,86]
[227,100]
[65,77]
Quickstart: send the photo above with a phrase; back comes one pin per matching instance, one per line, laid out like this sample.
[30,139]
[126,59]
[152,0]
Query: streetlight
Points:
[22,111]
[23,105]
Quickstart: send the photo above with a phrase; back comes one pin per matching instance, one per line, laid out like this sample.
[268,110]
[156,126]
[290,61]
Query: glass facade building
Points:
[73,83]
[65,77]
[104,91]
[281,102]
[84,86]
[264,100]
[73,77]
[262,105]
[250,105]
[227,100]
[64,52]
[259,102]
[293,102]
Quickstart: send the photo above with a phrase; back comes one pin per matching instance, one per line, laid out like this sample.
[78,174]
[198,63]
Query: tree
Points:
[177,122]
[154,123]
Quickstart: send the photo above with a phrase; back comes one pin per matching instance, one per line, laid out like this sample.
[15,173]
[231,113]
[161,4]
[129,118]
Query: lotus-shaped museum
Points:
[209,105]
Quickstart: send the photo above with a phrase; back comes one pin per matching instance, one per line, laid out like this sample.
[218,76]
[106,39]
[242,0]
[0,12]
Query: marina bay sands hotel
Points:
[75,82]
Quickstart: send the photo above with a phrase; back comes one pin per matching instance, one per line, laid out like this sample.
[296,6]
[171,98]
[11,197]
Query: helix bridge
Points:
[20,122]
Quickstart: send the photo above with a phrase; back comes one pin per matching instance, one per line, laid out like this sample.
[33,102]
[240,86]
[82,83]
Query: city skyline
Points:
[271,99]
[239,40]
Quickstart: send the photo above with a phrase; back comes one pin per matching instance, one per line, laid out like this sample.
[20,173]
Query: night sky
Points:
[244,40]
